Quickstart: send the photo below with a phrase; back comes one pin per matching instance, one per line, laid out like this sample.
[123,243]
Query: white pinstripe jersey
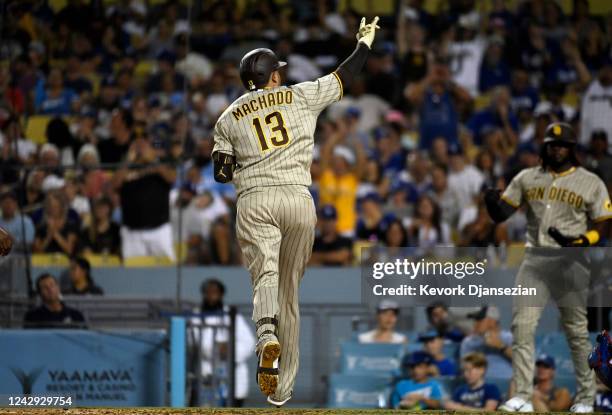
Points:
[565,200]
[270,132]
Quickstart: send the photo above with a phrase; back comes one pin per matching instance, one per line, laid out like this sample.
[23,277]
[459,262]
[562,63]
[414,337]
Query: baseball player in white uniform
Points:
[561,199]
[263,145]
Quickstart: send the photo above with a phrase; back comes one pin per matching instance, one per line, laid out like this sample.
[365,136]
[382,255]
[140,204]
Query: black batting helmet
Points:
[256,67]
[560,132]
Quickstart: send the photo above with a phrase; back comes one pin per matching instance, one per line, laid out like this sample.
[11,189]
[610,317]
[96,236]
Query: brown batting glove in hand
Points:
[6,242]
[566,241]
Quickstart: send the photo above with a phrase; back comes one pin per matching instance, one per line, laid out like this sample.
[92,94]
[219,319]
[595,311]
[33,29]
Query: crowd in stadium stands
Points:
[480,353]
[449,103]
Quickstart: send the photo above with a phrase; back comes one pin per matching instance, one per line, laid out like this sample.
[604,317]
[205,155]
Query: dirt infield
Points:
[220,411]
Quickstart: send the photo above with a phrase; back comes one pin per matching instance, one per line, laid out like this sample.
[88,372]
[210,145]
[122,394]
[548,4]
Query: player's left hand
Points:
[6,242]
[367,31]
[565,241]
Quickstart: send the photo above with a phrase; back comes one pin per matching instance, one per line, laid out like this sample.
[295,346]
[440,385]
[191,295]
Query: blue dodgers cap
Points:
[371,196]
[328,212]
[428,335]
[381,132]
[546,360]
[417,358]
[353,112]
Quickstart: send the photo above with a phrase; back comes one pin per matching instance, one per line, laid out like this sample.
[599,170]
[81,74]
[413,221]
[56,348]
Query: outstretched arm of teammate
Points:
[353,64]
[498,208]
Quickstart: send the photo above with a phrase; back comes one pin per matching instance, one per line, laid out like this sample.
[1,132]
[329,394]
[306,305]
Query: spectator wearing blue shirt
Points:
[373,222]
[389,151]
[438,100]
[494,70]
[489,338]
[446,323]
[498,115]
[53,98]
[524,96]
[420,391]
[433,343]
[546,396]
[18,225]
[474,394]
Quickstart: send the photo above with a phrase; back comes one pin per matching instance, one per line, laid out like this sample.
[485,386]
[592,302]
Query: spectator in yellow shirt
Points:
[341,170]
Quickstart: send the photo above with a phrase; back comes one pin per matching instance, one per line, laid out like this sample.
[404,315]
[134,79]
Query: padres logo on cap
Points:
[557,130]
[608,205]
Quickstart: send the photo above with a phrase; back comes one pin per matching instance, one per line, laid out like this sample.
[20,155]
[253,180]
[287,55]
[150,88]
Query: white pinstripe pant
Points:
[275,227]
[552,277]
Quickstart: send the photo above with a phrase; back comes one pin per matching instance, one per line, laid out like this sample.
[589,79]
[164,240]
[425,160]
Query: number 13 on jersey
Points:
[279,136]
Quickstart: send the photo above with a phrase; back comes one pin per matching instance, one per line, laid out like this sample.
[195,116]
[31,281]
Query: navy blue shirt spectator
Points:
[439,118]
[494,70]
[373,222]
[492,118]
[437,99]
[524,96]
[478,396]
[389,151]
[433,343]
[475,393]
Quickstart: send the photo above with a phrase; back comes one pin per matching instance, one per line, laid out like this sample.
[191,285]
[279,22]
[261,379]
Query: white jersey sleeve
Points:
[320,93]
[513,195]
[222,143]
[600,208]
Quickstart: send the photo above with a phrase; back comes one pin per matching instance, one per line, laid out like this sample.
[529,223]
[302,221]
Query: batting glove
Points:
[590,238]
[367,31]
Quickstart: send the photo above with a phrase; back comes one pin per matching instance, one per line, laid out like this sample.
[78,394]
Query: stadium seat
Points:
[36,128]
[180,250]
[568,382]
[370,358]
[143,69]
[358,391]
[451,349]
[555,344]
[50,260]
[481,102]
[503,384]
[449,383]
[147,261]
[103,260]
[358,246]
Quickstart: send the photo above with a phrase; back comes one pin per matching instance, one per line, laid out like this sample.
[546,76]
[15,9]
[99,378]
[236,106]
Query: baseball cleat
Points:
[276,403]
[267,369]
[516,404]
